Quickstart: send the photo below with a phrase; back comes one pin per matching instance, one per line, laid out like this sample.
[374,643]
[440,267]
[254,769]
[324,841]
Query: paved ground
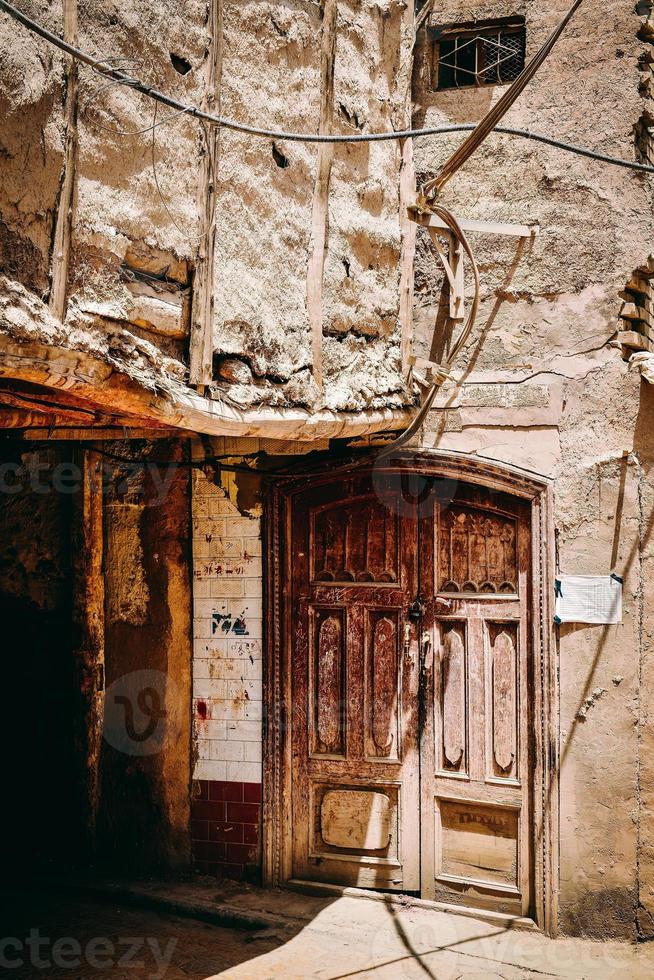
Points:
[71,937]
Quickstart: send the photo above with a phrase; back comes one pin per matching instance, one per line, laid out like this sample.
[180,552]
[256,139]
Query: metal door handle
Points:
[425,650]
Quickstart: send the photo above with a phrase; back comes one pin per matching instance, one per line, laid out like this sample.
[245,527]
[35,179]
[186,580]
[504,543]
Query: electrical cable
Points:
[427,195]
[442,371]
[217,461]
[108,71]
[430,189]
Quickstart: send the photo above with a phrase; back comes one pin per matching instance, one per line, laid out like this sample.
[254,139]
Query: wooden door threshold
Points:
[404,900]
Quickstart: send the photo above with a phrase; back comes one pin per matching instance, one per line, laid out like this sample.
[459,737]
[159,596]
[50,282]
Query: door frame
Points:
[538,491]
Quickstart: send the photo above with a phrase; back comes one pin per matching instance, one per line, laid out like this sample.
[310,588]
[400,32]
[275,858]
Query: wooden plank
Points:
[356,819]
[424,364]
[319,218]
[480,843]
[481,227]
[457,294]
[89,622]
[637,314]
[75,434]
[64,218]
[451,256]
[408,228]
[49,414]
[201,340]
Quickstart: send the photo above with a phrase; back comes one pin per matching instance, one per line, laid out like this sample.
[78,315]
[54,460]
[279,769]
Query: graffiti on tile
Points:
[222,622]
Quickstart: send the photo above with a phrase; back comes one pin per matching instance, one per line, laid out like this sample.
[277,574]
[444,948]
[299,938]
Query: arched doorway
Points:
[410,687]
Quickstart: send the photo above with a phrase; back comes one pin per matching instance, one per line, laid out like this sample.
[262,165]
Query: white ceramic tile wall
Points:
[227,617]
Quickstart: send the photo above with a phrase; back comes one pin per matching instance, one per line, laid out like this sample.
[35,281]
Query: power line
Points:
[107,70]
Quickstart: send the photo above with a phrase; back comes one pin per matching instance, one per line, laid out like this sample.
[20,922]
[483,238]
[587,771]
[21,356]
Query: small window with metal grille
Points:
[644,138]
[478,54]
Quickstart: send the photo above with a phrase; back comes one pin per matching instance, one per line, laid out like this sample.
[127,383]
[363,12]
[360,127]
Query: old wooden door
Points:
[475,734]
[410,716]
[355,672]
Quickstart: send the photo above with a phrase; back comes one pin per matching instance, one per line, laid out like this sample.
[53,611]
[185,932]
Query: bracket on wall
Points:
[451,253]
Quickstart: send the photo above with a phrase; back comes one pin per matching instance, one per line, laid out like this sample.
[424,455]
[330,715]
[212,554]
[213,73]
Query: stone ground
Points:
[88,936]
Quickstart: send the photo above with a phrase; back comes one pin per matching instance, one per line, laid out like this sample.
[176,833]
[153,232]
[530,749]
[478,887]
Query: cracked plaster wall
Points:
[31,146]
[545,390]
[271,75]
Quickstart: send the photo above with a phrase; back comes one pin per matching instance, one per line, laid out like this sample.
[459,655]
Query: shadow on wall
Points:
[590,911]
[143,806]
[37,683]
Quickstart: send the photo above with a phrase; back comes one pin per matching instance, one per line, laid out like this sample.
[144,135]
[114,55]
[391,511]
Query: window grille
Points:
[644,138]
[486,54]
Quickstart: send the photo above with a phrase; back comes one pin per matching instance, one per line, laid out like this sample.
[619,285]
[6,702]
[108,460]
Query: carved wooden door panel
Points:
[476,751]
[354,681]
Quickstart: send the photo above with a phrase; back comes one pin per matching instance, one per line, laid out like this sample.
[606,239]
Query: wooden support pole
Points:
[201,340]
[320,213]
[407,192]
[451,256]
[64,218]
[89,632]
[457,294]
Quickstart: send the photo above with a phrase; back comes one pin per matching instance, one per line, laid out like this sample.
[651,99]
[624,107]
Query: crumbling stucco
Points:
[31,147]
[541,385]
[148,603]
[544,388]
[126,204]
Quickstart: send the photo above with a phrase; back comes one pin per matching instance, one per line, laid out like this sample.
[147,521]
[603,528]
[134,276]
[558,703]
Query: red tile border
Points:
[252,792]
[226,791]
[207,810]
[240,853]
[243,812]
[210,850]
[225,829]
[250,833]
[199,830]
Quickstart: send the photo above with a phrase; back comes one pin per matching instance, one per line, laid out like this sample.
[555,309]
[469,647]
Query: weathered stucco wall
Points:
[268,194]
[544,389]
[144,782]
[541,385]
[31,147]
[139,243]
[38,702]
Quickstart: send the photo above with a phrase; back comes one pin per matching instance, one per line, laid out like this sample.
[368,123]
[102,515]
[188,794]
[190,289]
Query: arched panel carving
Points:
[384,685]
[355,542]
[329,674]
[477,551]
[453,686]
[504,698]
